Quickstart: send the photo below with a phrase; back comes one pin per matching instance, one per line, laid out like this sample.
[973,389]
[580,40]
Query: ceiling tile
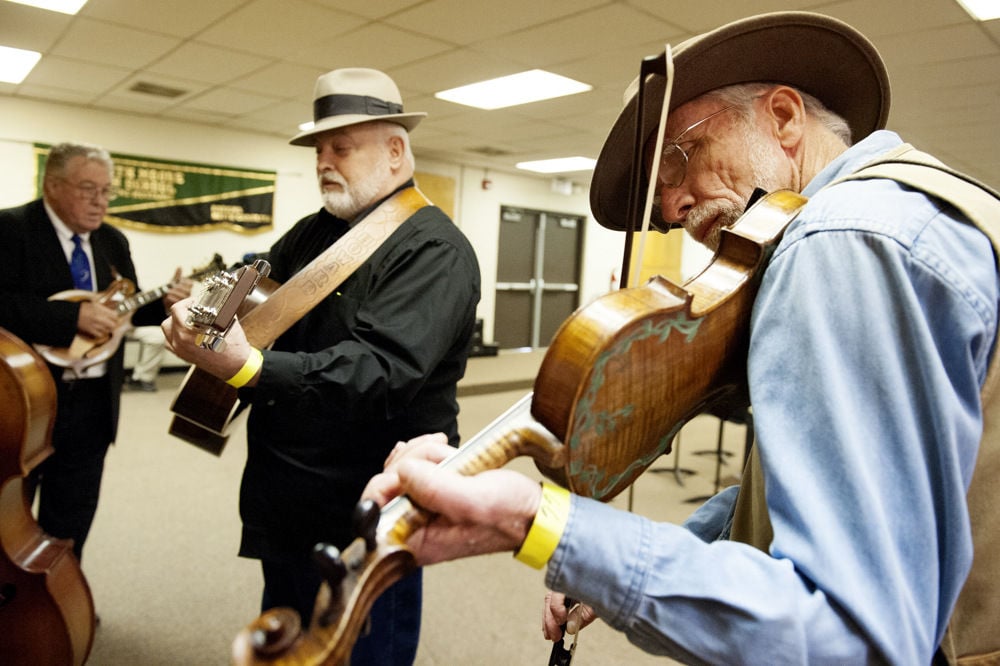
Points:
[378,46]
[610,26]
[210,64]
[465,22]
[60,94]
[451,69]
[941,45]
[696,17]
[100,42]
[227,102]
[882,19]
[23,27]
[180,18]
[370,9]
[278,28]
[83,77]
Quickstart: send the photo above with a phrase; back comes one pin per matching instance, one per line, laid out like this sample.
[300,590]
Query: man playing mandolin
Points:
[870,341]
[57,244]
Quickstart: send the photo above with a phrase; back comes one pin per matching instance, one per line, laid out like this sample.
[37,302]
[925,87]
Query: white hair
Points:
[741,95]
[61,154]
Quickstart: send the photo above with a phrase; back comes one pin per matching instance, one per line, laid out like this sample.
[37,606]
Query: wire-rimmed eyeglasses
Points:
[89,190]
[673,158]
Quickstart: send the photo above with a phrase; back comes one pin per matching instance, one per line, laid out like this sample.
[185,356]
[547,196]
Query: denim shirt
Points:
[870,339]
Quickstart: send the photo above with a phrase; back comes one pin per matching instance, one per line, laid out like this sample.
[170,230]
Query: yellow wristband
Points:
[249,369]
[547,527]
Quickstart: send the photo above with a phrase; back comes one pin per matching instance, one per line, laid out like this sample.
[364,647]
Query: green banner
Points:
[162,195]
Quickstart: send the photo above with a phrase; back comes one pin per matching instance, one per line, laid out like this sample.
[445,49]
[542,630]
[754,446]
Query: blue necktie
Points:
[79,266]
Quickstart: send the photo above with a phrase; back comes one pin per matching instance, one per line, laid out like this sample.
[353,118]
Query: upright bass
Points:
[46,609]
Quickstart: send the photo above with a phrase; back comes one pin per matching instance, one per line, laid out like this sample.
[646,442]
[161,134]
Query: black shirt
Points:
[374,363]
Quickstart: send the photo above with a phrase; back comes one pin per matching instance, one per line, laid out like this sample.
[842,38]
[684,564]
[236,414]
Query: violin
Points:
[621,377]
[46,609]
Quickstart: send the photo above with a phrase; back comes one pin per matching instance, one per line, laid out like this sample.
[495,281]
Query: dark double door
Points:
[538,275]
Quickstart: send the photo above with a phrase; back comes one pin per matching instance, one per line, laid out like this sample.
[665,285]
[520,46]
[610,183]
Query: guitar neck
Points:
[136,301]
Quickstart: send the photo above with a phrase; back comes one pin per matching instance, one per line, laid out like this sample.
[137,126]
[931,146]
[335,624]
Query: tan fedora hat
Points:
[817,54]
[355,95]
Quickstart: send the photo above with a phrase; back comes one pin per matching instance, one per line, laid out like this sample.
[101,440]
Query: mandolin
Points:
[622,375]
[85,351]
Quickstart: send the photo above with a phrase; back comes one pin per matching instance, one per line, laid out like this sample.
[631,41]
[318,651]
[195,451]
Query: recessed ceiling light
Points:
[522,88]
[981,10]
[62,6]
[15,64]
[559,165]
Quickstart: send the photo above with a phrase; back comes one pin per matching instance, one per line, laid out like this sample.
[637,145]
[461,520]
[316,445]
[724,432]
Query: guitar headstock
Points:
[224,292]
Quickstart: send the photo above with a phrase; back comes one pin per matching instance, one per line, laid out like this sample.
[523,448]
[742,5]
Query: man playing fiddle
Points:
[870,340]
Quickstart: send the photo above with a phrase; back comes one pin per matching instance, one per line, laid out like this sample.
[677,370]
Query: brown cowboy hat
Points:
[355,95]
[814,53]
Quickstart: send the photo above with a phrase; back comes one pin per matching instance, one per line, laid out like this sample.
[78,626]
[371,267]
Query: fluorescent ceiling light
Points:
[559,165]
[981,10]
[15,64]
[522,88]
[62,6]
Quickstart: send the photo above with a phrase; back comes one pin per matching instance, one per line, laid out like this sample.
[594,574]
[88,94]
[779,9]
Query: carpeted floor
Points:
[161,559]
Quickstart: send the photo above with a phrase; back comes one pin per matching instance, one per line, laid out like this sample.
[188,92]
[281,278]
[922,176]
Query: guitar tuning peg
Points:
[366,515]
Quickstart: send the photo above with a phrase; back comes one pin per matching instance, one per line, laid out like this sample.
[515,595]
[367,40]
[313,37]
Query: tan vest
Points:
[973,635]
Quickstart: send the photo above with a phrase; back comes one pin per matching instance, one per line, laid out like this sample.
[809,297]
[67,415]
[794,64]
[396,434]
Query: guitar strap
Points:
[973,634]
[293,299]
[205,406]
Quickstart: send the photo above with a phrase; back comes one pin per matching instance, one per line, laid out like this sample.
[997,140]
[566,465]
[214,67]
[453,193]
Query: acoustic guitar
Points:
[206,406]
[85,351]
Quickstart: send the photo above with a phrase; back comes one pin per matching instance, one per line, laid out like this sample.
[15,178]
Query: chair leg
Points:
[720,454]
[678,471]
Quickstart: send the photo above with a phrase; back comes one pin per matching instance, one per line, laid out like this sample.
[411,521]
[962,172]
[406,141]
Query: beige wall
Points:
[156,254]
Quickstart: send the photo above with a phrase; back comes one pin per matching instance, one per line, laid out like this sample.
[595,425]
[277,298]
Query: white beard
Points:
[352,199]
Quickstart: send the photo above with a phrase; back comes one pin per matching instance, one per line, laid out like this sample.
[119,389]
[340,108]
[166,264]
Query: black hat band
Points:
[342,105]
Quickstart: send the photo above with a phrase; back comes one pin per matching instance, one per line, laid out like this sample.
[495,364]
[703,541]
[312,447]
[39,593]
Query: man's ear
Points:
[48,183]
[397,151]
[787,113]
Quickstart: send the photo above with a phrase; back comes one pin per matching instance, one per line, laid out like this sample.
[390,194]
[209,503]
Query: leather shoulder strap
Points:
[909,166]
[293,299]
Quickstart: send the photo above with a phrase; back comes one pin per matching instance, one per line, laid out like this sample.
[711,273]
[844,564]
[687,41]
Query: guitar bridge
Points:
[214,313]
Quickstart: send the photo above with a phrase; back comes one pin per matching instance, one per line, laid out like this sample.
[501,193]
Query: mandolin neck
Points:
[136,301]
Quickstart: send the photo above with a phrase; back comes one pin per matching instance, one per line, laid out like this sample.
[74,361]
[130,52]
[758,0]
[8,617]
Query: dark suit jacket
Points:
[33,266]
